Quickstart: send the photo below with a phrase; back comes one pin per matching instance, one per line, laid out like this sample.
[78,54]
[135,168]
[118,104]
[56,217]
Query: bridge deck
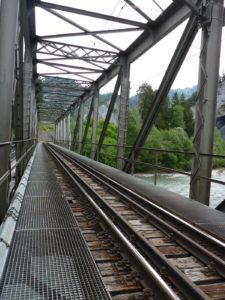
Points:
[204,217]
[49,258]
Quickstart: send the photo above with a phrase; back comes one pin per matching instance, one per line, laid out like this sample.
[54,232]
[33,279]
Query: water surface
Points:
[180,184]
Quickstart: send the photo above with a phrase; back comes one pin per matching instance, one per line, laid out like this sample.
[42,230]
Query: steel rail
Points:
[181,281]
[177,220]
[187,242]
[156,282]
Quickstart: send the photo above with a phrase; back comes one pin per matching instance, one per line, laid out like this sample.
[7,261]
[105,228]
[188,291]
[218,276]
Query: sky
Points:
[151,66]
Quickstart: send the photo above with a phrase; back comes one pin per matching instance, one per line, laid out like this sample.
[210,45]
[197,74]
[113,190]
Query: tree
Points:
[146,96]
[177,119]
[145,99]
[133,126]
[39,91]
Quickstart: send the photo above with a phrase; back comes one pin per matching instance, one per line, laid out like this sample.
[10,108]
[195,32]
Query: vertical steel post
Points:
[76,117]
[95,124]
[69,131]
[8,35]
[206,102]
[60,132]
[57,137]
[123,113]
[27,93]
[19,109]
[64,131]
[55,132]
[108,116]
[81,118]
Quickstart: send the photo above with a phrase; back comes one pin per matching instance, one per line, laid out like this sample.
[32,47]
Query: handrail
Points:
[7,173]
[156,166]
[16,142]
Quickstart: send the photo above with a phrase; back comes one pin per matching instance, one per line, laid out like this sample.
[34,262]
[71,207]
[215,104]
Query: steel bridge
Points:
[74,228]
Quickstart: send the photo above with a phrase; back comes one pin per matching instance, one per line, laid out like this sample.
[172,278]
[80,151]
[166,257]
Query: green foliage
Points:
[169,139]
[108,151]
[218,149]
[177,116]
[46,127]
[145,99]
[173,130]
[133,125]
[39,91]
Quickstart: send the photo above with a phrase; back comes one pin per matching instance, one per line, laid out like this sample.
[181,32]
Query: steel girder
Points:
[74,34]
[176,13]
[46,5]
[95,124]
[108,116]
[167,81]
[172,17]
[206,102]
[87,124]
[8,19]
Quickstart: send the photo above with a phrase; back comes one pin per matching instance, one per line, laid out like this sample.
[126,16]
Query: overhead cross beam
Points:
[82,28]
[173,16]
[136,8]
[51,64]
[90,32]
[47,5]
[82,83]
[65,50]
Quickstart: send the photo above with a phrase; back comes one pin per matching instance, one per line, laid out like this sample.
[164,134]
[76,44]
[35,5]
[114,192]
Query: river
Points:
[180,184]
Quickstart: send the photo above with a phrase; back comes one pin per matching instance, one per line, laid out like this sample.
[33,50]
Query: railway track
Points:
[133,241]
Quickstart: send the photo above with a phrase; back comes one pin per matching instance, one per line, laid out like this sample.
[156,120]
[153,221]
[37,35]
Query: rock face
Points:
[220,110]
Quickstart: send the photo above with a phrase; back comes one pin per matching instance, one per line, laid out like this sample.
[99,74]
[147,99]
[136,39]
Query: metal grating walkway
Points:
[49,258]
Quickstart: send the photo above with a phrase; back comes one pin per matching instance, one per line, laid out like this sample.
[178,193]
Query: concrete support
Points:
[8,35]
[123,113]
[81,119]
[95,124]
[206,102]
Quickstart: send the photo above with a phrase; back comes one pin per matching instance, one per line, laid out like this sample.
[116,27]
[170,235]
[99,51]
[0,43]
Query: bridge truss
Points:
[80,70]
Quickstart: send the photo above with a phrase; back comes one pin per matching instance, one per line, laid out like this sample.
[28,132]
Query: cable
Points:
[107,21]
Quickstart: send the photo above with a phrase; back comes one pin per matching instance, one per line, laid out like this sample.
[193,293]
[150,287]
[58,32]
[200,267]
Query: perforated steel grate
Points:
[49,258]
[51,264]
[53,212]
